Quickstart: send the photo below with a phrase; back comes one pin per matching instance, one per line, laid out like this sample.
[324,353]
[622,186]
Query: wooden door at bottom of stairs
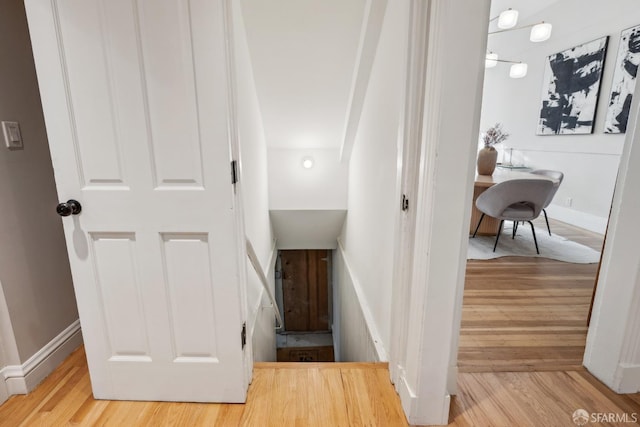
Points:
[135,97]
[305,287]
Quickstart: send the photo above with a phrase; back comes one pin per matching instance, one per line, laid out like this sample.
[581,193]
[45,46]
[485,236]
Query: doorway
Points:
[304,289]
[530,313]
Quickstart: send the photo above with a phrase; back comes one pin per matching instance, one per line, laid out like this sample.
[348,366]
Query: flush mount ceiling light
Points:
[307,162]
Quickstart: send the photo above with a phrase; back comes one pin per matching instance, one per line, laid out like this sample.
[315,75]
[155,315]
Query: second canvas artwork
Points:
[570,89]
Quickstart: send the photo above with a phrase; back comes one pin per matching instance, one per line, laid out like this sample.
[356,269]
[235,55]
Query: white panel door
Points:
[135,96]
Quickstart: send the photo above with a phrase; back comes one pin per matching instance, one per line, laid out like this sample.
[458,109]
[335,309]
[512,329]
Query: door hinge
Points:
[234,171]
[243,335]
[405,203]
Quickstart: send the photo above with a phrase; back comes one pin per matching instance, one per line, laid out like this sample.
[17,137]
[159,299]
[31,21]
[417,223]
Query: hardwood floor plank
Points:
[259,397]
[527,314]
[526,399]
[328,403]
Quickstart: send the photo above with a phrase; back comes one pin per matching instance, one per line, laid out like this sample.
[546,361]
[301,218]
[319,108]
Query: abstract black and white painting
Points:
[624,81]
[570,92]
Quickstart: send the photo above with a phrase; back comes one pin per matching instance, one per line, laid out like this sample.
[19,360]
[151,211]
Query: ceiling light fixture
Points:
[307,162]
[517,71]
[491,60]
[540,31]
[508,19]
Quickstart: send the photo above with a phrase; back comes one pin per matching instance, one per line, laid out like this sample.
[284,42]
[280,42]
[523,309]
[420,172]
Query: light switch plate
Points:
[12,136]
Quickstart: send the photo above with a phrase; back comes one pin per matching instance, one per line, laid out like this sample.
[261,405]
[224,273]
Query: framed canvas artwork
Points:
[570,89]
[624,81]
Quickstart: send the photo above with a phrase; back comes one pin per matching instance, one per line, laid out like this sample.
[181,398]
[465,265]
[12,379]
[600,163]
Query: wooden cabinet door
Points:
[305,284]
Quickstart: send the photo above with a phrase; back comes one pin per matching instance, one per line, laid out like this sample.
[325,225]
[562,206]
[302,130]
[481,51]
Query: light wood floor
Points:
[527,314]
[522,315]
[282,394]
[533,399]
[322,394]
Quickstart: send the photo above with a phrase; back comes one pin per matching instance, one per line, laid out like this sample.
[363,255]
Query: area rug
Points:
[553,247]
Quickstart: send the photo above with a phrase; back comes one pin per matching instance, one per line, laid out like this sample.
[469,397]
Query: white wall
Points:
[355,336]
[34,269]
[292,187]
[368,232]
[590,162]
[253,177]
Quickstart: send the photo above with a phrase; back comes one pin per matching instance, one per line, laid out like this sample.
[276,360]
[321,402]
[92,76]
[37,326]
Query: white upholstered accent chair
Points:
[514,200]
[557,178]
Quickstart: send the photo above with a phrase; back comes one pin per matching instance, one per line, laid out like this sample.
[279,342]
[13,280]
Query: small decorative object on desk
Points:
[488,155]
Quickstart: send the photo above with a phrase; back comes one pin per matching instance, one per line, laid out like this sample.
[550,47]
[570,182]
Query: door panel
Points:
[305,286]
[114,255]
[135,100]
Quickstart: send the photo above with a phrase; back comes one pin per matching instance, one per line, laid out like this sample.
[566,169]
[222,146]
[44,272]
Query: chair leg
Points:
[533,231]
[479,222]
[515,229]
[547,220]
[498,235]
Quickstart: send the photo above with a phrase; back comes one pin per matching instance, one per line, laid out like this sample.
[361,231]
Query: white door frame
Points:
[612,352]
[426,331]
[409,144]
[424,354]
[232,126]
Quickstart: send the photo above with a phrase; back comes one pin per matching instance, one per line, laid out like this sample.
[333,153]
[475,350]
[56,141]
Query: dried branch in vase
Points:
[494,135]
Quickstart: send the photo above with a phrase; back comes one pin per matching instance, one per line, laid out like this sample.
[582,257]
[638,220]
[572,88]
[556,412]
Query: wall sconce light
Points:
[307,162]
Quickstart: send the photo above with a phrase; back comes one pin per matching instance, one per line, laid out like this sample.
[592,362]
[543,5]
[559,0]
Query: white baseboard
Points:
[584,220]
[419,414]
[408,398]
[4,392]
[21,379]
[628,378]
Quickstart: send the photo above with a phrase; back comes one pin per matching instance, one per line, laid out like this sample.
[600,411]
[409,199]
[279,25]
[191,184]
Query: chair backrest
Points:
[556,176]
[533,192]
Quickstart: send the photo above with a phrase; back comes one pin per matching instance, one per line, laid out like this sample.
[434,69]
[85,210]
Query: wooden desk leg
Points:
[489,225]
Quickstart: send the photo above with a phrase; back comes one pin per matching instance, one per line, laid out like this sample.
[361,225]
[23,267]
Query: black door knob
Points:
[71,207]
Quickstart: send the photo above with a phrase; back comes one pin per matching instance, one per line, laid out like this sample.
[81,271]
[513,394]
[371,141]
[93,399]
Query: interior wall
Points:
[590,162]
[367,236]
[34,269]
[292,187]
[253,176]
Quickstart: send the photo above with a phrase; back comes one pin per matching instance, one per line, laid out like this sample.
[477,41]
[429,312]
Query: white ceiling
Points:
[303,54]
